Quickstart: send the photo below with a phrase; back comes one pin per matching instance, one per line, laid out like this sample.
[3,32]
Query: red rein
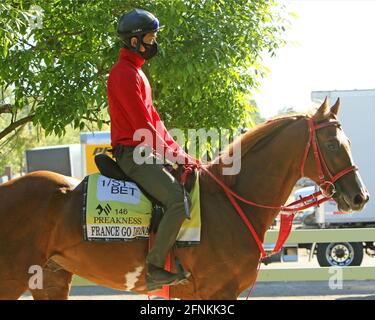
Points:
[287,219]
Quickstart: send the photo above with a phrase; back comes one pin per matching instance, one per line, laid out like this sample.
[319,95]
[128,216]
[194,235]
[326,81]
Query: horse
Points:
[41,220]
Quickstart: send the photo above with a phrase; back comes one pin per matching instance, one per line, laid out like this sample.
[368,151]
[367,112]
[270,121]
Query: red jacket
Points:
[130,105]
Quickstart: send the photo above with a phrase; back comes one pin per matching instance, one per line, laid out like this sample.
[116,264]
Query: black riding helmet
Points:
[136,23]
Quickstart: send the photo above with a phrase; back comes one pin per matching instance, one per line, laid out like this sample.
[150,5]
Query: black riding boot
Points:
[157,277]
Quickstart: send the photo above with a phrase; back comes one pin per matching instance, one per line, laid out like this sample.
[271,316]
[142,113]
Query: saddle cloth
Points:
[117,210]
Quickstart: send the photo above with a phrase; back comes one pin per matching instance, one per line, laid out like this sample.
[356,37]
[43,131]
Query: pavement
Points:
[352,290]
[309,290]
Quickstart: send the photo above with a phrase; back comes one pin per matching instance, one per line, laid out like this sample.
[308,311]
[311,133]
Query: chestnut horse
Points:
[41,220]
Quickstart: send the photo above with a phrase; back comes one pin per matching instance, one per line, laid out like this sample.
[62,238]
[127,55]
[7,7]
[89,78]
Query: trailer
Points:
[63,159]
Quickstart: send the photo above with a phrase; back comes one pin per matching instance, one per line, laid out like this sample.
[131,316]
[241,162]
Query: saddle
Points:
[109,168]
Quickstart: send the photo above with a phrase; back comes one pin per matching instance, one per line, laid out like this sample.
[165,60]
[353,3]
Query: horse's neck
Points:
[268,176]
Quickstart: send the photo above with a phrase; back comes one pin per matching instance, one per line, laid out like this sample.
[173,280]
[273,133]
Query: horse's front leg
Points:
[56,283]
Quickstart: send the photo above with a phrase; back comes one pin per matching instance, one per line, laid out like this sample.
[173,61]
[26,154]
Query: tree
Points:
[209,61]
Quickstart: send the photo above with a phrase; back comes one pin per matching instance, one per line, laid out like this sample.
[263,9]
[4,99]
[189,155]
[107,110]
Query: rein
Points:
[286,219]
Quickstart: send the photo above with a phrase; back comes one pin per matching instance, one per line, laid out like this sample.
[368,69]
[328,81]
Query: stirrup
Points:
[154,286]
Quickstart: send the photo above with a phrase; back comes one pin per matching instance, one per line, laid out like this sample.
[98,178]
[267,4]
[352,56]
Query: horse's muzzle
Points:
[348,203]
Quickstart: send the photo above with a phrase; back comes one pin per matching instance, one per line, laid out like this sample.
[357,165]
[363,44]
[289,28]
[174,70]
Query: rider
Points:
[130,109]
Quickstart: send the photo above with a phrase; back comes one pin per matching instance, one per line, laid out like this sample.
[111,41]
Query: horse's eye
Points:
[332,145]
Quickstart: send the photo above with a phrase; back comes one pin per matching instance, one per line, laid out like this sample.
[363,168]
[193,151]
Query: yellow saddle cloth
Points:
[116,210]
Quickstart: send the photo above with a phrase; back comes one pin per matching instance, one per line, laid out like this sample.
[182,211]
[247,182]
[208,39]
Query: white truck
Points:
[357,115]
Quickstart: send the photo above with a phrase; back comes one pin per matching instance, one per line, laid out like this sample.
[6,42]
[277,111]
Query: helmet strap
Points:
[129,46]
[139,42]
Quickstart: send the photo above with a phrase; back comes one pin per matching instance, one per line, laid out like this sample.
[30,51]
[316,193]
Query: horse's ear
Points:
[336,107]
[322,112]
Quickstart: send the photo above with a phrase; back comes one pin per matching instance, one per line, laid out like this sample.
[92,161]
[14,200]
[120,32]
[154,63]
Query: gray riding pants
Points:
[160,184]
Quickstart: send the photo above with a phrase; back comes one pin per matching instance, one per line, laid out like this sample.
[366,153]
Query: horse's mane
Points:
[252,140]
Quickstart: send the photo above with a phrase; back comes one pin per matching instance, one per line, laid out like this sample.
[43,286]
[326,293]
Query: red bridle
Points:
[319,159]
[286,220]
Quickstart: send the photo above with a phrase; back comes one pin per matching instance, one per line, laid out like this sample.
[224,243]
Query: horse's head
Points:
[335,157]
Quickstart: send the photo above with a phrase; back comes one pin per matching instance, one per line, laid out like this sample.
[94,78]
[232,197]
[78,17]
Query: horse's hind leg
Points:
[12,289]
[56,283]
[13,278]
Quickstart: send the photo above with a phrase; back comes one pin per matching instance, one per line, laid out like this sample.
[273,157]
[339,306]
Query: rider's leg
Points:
[159,183]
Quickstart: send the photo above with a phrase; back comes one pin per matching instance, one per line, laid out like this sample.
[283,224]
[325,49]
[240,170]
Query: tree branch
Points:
[3,144]
[95,120]
[6,108]
[15,125]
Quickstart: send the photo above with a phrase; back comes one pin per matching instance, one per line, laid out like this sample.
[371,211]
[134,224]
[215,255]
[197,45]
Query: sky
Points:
[330,46]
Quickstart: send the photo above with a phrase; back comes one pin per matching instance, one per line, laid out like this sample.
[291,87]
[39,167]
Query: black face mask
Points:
[151,50]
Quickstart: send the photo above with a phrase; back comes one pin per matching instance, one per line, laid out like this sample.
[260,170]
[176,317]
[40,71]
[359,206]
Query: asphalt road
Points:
[313,290]
[352,290]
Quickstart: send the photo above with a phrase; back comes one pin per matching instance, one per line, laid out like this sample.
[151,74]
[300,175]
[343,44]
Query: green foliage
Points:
[209,59]
[12,149]
[208,64]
